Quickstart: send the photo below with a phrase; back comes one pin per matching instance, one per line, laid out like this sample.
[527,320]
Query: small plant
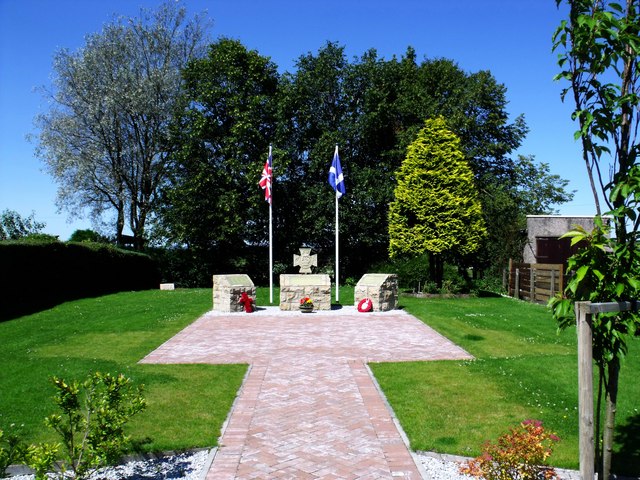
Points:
[42,458]
[11,450]
[92,421]
[518,455]
[306,302]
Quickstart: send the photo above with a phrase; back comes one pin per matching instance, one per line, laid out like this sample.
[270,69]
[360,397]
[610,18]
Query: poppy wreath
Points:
[247,302]
[365,305]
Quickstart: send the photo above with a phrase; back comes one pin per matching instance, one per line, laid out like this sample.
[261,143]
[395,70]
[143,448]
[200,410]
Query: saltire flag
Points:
[336,179]
[265,181]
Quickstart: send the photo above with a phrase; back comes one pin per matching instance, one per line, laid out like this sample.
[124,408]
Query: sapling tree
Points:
[599,52]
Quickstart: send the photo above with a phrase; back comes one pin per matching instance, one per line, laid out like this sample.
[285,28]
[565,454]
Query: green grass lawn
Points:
[523,370]
[112,333]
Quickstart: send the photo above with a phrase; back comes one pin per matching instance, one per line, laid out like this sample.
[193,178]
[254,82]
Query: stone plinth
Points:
[293,287]
[227,290]
[381,288]
[167,286]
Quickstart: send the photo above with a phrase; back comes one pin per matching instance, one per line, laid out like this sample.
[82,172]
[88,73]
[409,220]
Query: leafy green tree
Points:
[599,54]
[212,202]
[436,207]
[87,236]
[105,138]
[13,226]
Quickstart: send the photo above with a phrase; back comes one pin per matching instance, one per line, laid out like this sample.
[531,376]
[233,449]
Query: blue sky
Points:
[511,38]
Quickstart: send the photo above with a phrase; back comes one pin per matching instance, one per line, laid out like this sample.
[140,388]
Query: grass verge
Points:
[523,369]
[112,333]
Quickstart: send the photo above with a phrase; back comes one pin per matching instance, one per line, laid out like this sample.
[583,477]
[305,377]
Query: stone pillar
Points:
[227,290]
[381,288]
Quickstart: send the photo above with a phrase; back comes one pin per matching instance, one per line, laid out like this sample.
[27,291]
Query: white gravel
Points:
[193,466]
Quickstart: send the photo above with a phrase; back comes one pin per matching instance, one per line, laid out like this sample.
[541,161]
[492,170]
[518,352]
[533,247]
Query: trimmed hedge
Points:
[39,275]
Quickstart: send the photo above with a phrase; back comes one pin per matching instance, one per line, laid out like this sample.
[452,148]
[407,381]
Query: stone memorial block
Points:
[227,290]
[294,287]
[381,288]
[167,286]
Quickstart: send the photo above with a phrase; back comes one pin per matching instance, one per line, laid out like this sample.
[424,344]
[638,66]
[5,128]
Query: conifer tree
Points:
[436,209]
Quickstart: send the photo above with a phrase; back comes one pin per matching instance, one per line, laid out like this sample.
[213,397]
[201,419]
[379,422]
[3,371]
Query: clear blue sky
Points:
[511,38]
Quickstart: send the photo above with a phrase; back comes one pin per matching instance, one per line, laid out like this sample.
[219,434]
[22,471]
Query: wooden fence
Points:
[535,282]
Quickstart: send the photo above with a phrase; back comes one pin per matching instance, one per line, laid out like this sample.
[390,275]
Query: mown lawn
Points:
[523,370]
[112,333]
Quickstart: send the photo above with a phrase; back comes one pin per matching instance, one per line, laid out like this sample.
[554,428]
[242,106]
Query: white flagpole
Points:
[337,254]
[271,235]
[337,244]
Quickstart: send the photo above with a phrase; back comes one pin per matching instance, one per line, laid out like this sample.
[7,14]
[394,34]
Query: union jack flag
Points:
[265,181]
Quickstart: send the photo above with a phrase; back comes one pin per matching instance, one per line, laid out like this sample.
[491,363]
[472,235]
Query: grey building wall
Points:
[551,226]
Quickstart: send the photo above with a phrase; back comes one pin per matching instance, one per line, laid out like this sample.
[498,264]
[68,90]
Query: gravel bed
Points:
[193,465]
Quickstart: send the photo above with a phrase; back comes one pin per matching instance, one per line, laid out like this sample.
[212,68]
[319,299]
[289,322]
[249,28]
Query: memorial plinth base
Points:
[381,288]
[294,287]
[227,290]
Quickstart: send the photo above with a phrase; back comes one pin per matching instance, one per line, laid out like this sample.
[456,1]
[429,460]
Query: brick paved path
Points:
[309,407]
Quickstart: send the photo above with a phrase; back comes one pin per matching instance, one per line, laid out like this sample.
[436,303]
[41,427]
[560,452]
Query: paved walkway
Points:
[309,407]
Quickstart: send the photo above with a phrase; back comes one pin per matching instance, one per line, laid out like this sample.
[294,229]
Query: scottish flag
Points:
[336,179]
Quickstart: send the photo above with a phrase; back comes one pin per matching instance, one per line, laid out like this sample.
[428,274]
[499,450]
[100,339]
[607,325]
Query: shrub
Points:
[11,450]
[92,420]
[518,455]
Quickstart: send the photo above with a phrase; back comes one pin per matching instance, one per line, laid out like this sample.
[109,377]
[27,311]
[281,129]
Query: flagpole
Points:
[337,253]
[337,245]
[271,237]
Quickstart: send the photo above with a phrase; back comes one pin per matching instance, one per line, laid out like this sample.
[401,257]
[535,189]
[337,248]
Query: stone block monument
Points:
[294,287]
[381,288]
[227,290]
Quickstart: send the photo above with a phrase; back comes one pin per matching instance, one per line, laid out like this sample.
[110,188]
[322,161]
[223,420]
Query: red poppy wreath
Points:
[365,305]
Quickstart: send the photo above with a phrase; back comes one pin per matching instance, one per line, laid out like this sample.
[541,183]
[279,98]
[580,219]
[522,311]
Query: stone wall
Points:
[381,288]
[295,287]
[227,290]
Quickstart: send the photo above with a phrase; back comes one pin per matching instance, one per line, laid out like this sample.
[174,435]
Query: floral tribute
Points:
[306,303]
[247,302]
[365,305]
[520,454]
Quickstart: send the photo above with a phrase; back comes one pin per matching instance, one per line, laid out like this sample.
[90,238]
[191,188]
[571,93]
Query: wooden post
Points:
[517,285]
[553,283]
[585,389]
[532,283]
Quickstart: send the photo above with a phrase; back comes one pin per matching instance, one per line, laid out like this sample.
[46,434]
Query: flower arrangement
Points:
[306,304]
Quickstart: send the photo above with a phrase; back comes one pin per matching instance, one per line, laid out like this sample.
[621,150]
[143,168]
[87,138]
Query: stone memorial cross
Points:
[305,260]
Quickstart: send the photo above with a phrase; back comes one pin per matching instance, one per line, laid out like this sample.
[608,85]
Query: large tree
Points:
[599,56]
[212,202]
[105,138]
[436,209]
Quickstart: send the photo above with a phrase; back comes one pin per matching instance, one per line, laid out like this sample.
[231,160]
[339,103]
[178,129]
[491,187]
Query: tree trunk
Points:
[610,416]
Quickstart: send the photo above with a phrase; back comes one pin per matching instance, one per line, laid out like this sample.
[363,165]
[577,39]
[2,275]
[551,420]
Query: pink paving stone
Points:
[309,407]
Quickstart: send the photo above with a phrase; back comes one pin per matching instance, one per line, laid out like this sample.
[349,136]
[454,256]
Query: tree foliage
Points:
[105,138]
[211,201]
[599,55]
[436,207]
[13,226]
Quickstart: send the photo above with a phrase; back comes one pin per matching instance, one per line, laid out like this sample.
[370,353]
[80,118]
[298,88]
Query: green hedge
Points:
[39,275]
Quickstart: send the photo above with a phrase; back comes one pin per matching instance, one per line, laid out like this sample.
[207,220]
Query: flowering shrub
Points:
[518,455]
[306,302]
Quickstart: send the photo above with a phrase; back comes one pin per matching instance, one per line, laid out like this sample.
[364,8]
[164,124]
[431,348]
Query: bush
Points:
[518,455]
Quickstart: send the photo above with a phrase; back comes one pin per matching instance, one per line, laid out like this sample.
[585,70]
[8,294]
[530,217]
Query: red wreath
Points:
[365,305]
[247,301]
